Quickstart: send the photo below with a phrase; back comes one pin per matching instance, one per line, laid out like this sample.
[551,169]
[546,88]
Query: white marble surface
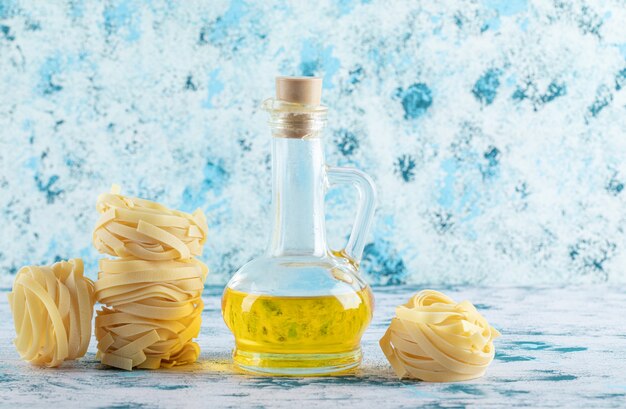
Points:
[560,347]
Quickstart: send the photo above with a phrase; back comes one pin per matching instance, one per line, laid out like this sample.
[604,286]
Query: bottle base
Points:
[261,363]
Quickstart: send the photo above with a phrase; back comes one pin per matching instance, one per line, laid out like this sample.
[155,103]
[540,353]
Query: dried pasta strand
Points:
[52,310]
[434,339]
[153,292]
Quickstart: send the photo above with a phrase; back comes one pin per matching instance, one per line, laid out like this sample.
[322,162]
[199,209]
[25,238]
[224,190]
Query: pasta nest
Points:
[435,339]
[133,227]
[52,310]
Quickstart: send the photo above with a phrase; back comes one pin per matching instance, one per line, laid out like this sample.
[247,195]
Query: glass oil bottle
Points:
[301,308]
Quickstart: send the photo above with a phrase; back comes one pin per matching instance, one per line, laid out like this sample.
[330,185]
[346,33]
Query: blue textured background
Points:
[495,130]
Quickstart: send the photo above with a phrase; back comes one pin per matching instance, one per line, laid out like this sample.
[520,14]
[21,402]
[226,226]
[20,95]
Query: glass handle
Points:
[364,212]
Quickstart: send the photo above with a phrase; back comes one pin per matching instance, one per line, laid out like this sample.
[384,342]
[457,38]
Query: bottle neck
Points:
[298,186]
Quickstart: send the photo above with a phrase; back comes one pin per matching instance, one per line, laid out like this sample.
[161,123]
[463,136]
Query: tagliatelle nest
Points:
[434,339]
[52,311]
[133,227]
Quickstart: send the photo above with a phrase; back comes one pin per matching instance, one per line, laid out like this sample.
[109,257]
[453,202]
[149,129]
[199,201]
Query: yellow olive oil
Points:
[281,332]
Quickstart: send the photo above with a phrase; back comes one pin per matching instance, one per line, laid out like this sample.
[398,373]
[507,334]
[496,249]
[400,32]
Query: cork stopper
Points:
[299,90]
